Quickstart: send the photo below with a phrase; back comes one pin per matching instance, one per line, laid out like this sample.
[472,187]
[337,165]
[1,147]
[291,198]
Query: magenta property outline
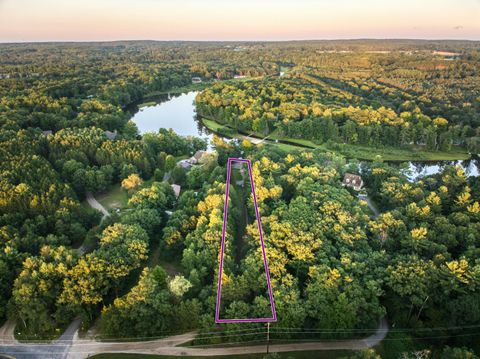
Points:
[273,318]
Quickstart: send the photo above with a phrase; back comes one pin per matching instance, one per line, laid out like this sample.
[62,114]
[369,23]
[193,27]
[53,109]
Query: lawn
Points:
[327,354]
[178,90]
[146,104]
[116,197]
[397,154]
[352,151]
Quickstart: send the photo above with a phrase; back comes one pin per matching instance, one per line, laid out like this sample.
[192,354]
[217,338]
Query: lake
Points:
[174,111]
[178,113]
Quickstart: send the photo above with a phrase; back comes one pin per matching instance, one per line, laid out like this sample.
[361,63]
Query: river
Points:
[178,113]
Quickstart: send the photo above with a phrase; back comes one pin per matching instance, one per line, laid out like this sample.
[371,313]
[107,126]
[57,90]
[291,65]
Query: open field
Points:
[116,197]
[351,151]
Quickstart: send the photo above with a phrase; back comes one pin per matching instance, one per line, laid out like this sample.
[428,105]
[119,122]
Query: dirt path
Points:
[68,346]
[169,346]
[370,205]
[92,201]
[97,205]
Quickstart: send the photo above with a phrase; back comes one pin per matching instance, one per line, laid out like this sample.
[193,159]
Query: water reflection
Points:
[422,169]
[178,113]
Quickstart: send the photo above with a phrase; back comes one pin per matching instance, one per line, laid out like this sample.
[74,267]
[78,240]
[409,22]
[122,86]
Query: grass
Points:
[360,152]
[116,197]
[145,104]
[397,154]
[213,125]
[23,334]
[178,90]
[396,343]
[327,354]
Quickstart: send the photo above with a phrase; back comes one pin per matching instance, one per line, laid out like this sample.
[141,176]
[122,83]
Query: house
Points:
[176,189]
[111,135]
[353,181]
[47,133]
[196,80]
[197,156]
[185,164]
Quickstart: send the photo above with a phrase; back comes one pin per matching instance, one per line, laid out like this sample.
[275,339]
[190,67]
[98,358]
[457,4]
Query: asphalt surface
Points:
[71,347]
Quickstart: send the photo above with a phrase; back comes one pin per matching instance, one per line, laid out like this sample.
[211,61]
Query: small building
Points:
[176,189]
[353,181]
[197,156]
[196,80]
[185,164]
[47,133]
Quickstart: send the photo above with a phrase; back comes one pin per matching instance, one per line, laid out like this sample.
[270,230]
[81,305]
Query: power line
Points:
[260,330]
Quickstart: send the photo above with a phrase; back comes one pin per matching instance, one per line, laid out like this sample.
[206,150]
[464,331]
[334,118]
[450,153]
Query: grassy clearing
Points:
[116,197]
[178,90]
[146,104]
[215,126]
[397,154]
[327,354]
[353,151]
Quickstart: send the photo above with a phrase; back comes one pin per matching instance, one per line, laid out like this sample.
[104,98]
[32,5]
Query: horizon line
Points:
[246,41]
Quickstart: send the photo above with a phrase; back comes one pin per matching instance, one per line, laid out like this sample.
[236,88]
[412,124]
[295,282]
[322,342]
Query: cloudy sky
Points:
[87,20]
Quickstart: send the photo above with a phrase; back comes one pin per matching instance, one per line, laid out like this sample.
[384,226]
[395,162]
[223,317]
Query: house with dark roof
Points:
[353,181]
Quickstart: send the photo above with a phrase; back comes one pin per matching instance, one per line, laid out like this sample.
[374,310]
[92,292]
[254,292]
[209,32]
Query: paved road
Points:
[167,346]
[80,349]
[58,349]
[370,205]
[92,201]
[97,205]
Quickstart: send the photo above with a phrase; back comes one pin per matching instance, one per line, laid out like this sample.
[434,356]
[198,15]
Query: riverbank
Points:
[391,154]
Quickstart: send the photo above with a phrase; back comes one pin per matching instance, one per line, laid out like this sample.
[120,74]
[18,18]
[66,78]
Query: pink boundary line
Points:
[222,252]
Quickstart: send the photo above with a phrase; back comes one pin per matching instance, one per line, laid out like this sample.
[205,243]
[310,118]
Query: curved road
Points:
[69,346]
[58,349]
[97,205]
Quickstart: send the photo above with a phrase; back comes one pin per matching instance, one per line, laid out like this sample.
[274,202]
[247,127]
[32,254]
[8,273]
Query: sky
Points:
[99,20]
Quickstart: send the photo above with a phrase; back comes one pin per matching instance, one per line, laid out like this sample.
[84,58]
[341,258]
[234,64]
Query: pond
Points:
[178,113]
[173,111]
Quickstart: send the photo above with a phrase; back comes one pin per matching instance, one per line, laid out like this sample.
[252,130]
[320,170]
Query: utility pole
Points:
[268,336]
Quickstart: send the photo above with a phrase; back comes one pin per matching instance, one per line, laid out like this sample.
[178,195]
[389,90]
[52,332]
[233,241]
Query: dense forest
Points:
[337,268]
[401,99]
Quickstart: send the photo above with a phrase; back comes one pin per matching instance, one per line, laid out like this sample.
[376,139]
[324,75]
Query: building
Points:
[353,181]
[47,133]
[185,164]
[197,156]
[176,189]
[196,80]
